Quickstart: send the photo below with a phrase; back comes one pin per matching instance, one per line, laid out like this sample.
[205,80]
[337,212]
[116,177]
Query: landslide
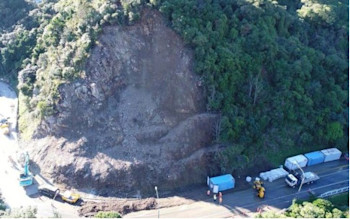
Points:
[137,119]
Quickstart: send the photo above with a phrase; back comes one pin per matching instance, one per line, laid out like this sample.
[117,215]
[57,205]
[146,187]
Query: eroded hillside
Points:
[137,119]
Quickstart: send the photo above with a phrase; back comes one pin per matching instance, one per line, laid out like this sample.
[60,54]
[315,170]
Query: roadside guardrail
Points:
[334,192]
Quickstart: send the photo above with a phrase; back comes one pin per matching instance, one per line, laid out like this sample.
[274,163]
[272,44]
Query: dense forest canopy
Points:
[276,71]
[12,12]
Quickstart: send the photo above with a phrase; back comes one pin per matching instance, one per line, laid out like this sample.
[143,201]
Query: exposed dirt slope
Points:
[136,120]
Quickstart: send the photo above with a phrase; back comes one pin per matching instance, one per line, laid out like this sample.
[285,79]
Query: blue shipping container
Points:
[314,158]
[223,182]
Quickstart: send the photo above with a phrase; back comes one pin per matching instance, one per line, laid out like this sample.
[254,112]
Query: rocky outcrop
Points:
[136,120]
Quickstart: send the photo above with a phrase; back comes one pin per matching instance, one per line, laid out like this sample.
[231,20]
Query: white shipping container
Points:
[331,154]
[301,160]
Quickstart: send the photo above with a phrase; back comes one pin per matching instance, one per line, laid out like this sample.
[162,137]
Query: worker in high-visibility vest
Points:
[220,197]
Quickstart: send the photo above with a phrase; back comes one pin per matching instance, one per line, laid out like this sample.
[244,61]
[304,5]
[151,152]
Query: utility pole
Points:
[302,176]
[156,188]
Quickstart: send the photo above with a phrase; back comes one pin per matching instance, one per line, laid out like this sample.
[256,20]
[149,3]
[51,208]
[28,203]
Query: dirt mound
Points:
[89,209]
[136,120]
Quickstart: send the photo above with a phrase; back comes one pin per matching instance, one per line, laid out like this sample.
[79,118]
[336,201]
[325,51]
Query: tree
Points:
[334,131]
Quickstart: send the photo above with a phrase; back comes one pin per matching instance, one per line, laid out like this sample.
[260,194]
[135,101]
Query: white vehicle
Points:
[307,178]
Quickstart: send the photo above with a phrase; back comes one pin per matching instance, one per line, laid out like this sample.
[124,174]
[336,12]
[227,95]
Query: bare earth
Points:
[135,121]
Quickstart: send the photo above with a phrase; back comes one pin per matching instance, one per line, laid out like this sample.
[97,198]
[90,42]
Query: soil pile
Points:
[136,120]
[89,209]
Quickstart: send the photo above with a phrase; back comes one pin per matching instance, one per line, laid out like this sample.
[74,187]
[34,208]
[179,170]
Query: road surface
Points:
[13,194]
[333,175]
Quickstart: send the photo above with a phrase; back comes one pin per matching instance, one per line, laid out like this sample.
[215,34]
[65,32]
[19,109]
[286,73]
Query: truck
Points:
[294,180]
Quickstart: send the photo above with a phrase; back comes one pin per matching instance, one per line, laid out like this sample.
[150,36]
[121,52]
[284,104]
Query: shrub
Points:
[28,212]
[107,214]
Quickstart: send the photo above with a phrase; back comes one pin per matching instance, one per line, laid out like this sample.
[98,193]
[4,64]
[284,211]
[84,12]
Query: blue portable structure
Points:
[221,183]
[26,178]
[314,158]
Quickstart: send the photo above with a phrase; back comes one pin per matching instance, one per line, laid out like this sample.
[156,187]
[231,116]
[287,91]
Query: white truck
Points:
[306,178]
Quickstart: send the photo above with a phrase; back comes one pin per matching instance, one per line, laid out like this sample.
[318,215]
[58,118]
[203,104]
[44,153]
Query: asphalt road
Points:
[333,175]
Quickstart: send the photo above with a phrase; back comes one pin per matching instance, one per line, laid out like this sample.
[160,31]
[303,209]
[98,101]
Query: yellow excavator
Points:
[70,197]
[5,126]
[258,186]
[53,192]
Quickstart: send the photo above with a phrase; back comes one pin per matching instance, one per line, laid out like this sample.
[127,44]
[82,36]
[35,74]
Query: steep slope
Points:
[136,120]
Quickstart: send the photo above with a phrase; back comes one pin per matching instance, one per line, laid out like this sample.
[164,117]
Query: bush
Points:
[319,208]
[28,212]
[107,214]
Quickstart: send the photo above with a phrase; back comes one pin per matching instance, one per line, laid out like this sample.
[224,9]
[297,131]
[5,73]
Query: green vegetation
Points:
[2,204]
[318,208]
[28,212]
[18,35]
[107,214]
[60,51]
[13,11]
[276,71]
[341,201]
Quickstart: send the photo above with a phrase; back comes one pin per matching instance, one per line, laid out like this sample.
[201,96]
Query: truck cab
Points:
[291,180]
